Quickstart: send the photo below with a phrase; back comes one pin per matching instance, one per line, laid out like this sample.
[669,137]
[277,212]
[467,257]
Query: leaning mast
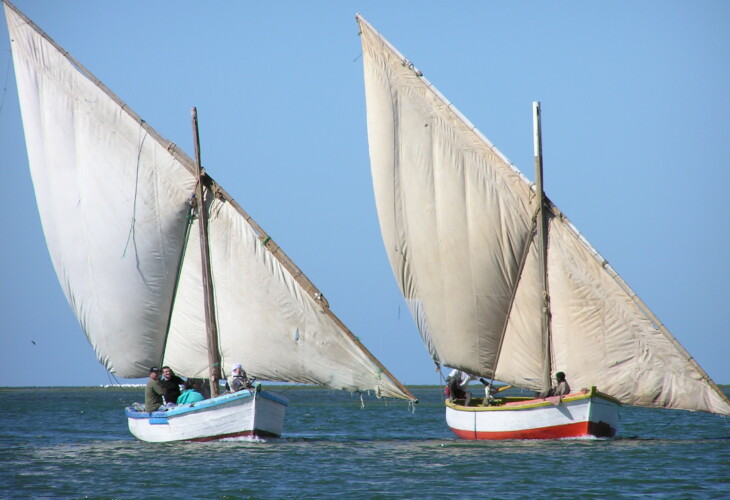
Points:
[542,243]
[214,361]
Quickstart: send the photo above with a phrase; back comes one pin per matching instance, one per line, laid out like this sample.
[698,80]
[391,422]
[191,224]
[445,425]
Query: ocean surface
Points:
[74,443]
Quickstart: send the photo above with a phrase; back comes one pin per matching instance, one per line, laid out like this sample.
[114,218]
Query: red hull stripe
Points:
[578,429]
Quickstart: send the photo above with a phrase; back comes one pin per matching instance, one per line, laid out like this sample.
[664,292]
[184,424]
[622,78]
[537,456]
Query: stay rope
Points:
[131,235]
[189,218]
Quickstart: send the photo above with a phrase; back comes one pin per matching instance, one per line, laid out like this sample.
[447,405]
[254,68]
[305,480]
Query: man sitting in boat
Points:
[153,392]
[238,379]
[561,389]
[456,384]
[171,383]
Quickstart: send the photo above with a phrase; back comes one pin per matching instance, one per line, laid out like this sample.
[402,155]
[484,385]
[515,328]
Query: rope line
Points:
[189,218]
[131,235]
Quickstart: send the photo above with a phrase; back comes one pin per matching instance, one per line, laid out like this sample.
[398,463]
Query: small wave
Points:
[246,439]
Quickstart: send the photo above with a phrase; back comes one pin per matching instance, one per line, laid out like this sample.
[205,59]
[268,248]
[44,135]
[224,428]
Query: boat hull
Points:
[584,414]
[243,413]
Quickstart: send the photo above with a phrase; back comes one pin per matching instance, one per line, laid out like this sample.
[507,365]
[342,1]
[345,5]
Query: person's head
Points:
[237,369]
[560,377]
[189,384]
[154,373]
[167,372]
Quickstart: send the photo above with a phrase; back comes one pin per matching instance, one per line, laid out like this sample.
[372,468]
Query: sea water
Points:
[74,443]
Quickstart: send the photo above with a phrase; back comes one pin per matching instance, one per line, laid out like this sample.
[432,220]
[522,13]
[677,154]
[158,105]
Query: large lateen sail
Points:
[458,224]
[114,199]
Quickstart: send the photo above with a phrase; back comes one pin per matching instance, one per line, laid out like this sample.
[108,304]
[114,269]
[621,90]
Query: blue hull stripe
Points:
[160,417]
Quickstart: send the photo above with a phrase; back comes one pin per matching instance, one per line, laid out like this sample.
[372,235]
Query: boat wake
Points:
[246,439]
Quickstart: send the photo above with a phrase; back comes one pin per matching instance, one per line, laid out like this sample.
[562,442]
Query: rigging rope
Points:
[110,376]
[131,235]
[116,383]
[186,236]
[442,383]
[523,260]
[289,388]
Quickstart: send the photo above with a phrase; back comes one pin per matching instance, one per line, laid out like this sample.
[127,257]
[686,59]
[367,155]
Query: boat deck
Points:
[523,402]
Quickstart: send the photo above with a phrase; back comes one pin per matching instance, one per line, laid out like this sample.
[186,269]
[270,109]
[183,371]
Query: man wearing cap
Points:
[238,379]
[153,392]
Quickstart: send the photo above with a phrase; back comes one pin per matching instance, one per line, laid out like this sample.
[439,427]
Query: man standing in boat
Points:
[153,392]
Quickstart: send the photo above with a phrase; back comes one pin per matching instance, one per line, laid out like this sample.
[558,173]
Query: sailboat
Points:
[499,282]
[161,266]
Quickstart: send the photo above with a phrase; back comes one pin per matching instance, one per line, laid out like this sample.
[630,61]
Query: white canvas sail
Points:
[456,219]
[113,198]
[112,202]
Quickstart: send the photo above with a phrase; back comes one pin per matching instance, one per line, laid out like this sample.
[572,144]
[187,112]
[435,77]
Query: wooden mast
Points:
[542,242]
[214,362]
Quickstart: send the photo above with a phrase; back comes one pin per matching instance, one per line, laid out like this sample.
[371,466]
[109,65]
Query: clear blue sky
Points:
[635,96]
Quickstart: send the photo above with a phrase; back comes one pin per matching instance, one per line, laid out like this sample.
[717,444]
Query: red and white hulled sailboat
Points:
[499,282]
[578,414]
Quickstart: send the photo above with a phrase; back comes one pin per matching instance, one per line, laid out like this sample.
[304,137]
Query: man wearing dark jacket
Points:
[171,383]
